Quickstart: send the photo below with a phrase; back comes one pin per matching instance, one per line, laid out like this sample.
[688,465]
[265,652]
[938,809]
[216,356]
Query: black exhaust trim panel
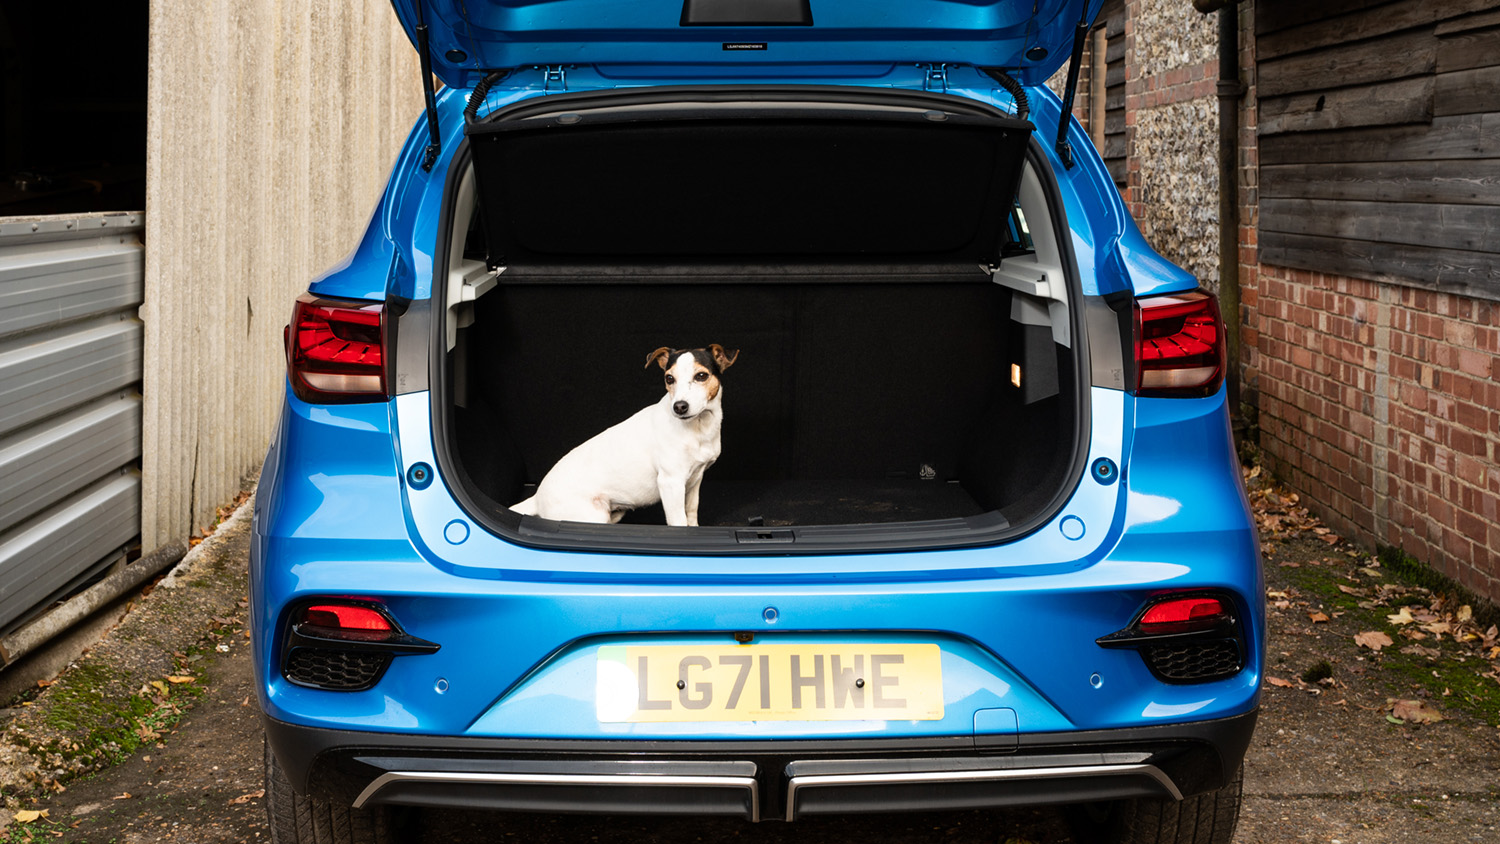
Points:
[973,788]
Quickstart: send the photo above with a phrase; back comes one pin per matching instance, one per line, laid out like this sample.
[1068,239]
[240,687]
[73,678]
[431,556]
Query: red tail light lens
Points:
[1183,613]
[1179,345]
[335,350]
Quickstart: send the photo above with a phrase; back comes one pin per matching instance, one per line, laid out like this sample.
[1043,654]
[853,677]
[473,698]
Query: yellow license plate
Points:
[885,682]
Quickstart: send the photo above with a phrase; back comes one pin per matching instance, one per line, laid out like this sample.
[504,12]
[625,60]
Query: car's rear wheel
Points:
[304,819]
[1207,818]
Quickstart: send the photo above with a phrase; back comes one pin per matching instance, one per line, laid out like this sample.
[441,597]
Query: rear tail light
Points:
[343,645]
[335,350]
[1179,345]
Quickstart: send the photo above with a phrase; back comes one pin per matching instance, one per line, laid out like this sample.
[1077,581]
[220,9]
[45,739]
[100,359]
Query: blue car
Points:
[975,536]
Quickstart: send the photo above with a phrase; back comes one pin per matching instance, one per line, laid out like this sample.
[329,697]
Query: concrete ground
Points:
[1330,762]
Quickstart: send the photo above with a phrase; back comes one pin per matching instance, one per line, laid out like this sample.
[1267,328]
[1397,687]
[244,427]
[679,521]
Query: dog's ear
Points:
[659,357]
[722,358]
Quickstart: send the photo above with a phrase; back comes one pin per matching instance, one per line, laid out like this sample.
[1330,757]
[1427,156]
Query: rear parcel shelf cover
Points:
[734,182]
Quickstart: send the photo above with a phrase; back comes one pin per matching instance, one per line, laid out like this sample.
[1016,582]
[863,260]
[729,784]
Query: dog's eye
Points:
[702,376]
[671,380]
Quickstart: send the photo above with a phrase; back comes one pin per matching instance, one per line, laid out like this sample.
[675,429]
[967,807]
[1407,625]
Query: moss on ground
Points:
[1452,674]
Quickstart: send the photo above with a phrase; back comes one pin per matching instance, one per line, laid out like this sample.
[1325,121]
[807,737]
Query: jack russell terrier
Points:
[658,454]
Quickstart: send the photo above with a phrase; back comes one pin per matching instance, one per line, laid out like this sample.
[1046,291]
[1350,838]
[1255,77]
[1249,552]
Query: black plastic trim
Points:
[746,13]
[1227,629]
[341,764]
[295,637]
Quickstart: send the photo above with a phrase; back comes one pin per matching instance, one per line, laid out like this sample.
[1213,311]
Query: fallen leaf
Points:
[1401,617]
[1279,683]
[159,686]
[1281,605]
[29,815]
[1291,565]
[121,796]
[1368,572]
[1373,639]
[1350,590]
[1416,711]
[1394,720]
[1421,650]
[1465,613]
[1437,627]
[1317,617]
[179,678]
[246,798]
[1271,594]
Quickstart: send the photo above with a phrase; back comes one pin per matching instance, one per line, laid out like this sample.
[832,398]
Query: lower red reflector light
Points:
[345,617]
[1182,611]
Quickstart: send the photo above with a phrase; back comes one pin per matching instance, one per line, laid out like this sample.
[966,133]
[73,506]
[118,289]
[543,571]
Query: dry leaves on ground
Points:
[1373,639]
[1415,711]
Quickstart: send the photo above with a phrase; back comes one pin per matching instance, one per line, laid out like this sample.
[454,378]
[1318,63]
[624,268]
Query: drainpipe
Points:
[1230,92]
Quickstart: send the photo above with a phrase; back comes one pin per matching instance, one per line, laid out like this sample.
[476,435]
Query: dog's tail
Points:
[525,508]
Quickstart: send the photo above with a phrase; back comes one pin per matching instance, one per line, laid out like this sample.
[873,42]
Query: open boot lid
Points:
[467,39]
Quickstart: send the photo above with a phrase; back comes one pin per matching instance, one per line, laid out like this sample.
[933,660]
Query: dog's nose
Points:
[680,408]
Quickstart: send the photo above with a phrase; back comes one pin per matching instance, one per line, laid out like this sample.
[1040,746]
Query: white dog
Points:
[658,454]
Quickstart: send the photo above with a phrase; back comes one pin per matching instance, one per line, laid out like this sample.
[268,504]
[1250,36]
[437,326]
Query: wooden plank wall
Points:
[1112,20]
[1380,140]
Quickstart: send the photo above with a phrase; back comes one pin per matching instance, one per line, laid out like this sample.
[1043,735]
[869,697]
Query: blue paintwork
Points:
[493,34]
[519,626]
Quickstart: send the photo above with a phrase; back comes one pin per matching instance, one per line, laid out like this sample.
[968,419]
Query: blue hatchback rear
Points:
[976,537]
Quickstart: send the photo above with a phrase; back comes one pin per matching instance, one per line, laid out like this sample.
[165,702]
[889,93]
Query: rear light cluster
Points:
[1179,345]
[1185,638]
[335,350]
[343,645]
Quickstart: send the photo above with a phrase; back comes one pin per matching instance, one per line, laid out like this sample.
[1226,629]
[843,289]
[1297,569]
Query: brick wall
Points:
[1379,402]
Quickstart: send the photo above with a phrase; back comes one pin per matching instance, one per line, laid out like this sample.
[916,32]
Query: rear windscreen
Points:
[900,186]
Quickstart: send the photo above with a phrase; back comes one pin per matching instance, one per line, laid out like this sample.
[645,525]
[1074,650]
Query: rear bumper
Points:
[766,780]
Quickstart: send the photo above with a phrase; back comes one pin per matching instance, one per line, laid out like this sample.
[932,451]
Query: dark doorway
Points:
[72,107]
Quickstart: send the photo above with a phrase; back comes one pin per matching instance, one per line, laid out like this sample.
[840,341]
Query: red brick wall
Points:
[1379,402]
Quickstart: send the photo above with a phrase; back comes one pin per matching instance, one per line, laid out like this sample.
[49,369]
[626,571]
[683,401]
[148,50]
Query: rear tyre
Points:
[302,819]
[1207,818]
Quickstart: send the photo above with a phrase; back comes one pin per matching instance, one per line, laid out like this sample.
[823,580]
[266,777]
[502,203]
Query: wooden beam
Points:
[1097,88]
[1464,50]
[1473,228]
[1390,18]
[1474,91]
[1393,57]
[1462,137]
[1116,168]
[1474,274]
[1387,104]
[1275,15]
[1468,22]
[1466,182]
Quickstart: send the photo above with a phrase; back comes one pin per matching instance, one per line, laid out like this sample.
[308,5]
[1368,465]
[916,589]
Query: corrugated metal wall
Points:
[272,129]
[70,407]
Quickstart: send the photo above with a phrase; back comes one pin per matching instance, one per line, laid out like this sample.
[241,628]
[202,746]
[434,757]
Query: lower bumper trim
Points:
[971,789]
[610,793]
